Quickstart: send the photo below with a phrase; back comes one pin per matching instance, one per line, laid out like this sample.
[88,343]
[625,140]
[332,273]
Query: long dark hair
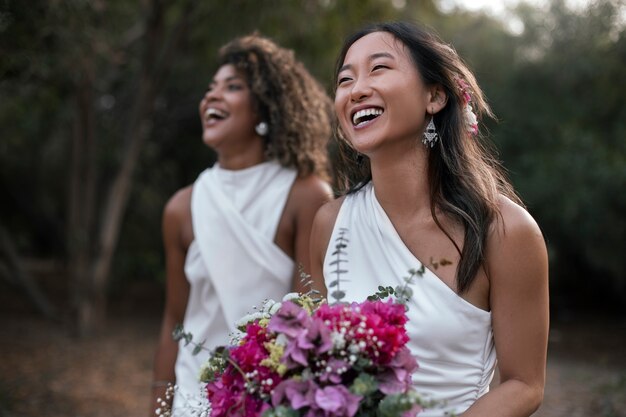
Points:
[465,178]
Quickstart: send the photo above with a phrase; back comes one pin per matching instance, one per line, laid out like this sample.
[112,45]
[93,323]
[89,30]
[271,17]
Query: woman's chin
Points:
[211,140]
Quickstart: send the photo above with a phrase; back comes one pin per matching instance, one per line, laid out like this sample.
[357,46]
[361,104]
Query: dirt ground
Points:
[46,372]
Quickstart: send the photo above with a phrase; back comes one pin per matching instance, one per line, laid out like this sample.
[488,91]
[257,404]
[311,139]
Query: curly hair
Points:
[288,98]
[465,178]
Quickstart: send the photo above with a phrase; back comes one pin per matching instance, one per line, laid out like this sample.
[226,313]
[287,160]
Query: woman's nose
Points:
[360,90]
[213,94]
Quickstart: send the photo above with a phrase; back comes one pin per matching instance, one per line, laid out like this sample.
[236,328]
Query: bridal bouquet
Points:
[303,357]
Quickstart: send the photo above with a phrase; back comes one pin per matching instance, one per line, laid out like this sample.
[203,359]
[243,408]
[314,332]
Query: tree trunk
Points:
[155,62]
[82,202]
[116,205]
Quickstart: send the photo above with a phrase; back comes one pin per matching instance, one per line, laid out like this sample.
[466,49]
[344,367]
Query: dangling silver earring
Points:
[430,134]
[261,129]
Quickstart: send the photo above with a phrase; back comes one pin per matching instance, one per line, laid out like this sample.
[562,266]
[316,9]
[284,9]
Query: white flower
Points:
[291,296]
[307,374]
[267,305]
[470,117]
[249,318]
[338,339]
[275,307]
[281,340]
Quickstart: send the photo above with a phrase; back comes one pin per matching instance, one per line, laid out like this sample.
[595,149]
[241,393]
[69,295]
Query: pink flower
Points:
[313,340]
[250,354]
[253,407]
[290,320]
[225,396]
[386,321]
[294,393]
[397,378]
[332,371]
[324,352]
[337,401]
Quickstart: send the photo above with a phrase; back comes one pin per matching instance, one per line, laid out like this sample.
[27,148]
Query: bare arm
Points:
[309,194]
[175,217]
[518,266]
[320,236]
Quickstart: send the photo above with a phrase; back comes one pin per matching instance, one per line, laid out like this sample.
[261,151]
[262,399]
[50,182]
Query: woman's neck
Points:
[401,183]
[245,157]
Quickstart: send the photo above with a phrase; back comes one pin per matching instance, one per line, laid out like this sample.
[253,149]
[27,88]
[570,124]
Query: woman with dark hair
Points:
[240,234]
[424,193]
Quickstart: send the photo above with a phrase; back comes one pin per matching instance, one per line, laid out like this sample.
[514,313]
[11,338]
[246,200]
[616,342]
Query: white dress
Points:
[233,263]
[451,339]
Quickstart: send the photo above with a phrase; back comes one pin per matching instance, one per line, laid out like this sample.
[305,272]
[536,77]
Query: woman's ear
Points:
[438,99]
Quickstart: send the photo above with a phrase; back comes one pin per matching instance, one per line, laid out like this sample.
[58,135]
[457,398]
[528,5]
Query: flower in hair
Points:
[471,121]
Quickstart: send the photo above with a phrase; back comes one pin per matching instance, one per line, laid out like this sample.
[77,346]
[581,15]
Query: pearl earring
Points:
[261,129]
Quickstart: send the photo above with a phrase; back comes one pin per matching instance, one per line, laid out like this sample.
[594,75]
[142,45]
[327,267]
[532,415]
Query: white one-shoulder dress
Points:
[233,263]
[451,339]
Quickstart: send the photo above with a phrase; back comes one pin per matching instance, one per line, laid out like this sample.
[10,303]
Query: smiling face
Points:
[227,110]
[380,98]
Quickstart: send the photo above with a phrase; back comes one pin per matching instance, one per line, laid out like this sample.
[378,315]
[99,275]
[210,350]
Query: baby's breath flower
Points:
[338,339]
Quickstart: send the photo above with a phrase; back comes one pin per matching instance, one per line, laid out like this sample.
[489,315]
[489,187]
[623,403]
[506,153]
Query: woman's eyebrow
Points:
[227,79]
[370,59]
[381,55]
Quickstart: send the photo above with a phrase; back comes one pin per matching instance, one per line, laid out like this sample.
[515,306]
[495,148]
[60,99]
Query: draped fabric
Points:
[451,339]
[233,264]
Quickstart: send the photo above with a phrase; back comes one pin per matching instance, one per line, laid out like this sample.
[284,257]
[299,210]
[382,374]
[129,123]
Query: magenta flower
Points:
[324,353]
[225,397]
[253,407]
[251,352]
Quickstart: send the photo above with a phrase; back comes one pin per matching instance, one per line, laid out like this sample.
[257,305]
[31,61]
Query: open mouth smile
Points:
[363,117]
[212,115]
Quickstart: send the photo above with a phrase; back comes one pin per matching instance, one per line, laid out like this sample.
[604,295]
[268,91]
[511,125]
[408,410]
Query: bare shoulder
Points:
[514,222]
[324,221]
[515,243]
[177,227]
[311,188]
[327,214]
[179,204]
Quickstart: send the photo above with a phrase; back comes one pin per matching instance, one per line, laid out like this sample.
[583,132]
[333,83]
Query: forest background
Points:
[99,127]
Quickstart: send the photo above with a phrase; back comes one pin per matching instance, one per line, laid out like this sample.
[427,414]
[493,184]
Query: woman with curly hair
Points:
[425,194]
[240,233]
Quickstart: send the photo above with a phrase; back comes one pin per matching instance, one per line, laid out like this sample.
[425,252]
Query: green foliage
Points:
[364,385]
[562,136]
[396,405]
[281,411]
[556,88]
[560,104]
